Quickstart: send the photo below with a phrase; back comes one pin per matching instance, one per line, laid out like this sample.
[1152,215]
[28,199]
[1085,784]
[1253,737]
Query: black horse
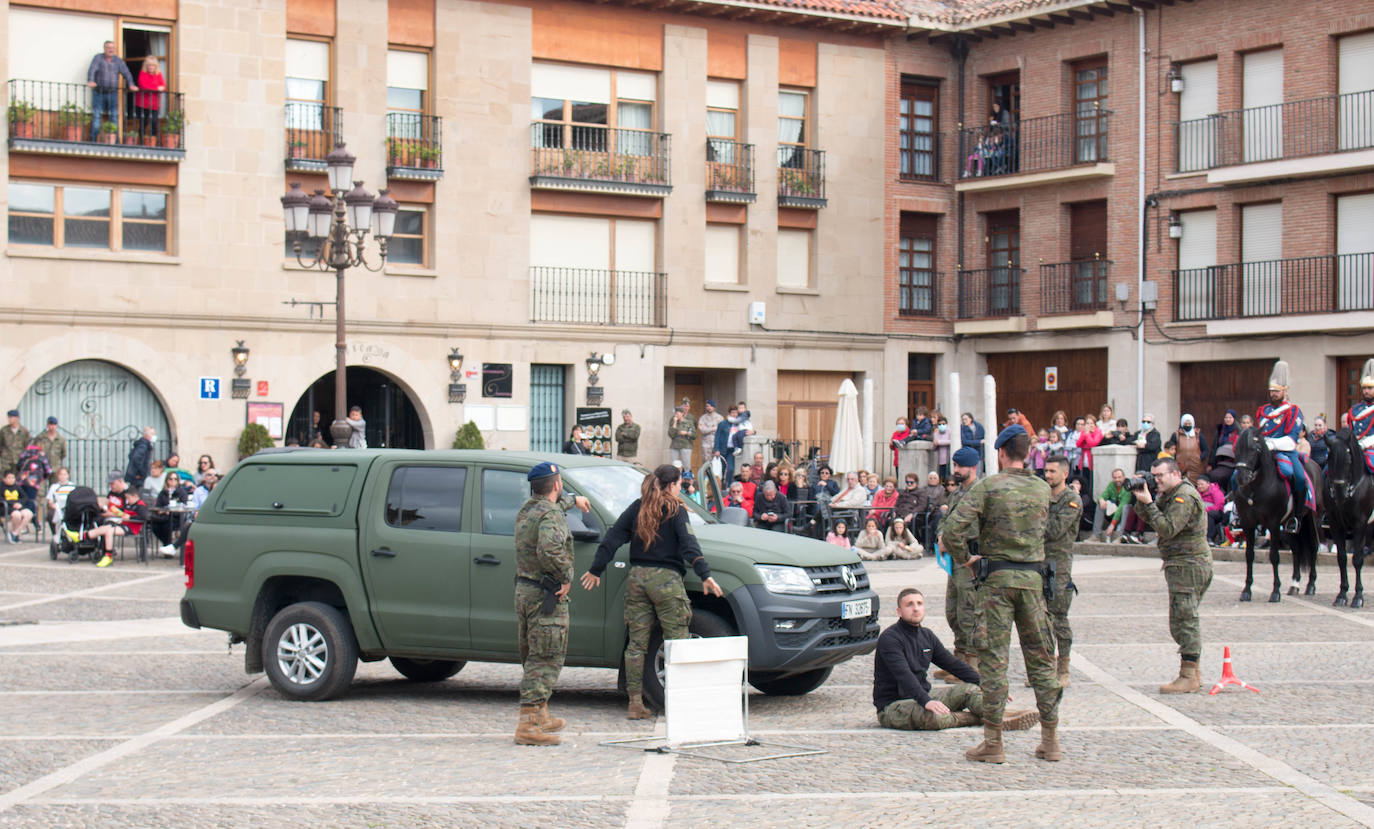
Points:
[1262,500]
[1350,500]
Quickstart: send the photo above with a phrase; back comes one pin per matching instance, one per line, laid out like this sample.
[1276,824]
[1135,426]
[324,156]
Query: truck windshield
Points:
[616,487]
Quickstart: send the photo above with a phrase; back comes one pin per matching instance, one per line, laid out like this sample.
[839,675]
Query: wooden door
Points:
[691,386]
[920,386]
[1082,386]
[1207,390]
[808,402]
[1090,110]
[1347,388]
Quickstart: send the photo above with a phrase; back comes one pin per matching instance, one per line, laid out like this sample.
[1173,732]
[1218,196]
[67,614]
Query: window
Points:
[1197,108]
[722,253]
[1261,248]
[407,245]
[792,137]
[1355,85]
[1090,111]
[918,130]
[307,84]
[580,103]
[916,265]
[1355,252]
[503,491]
[78,216]
[1197,256]
[722,120]
[1262,100]
[794,258]
[1004,262]
[426,498]
[407,81]
[594,270]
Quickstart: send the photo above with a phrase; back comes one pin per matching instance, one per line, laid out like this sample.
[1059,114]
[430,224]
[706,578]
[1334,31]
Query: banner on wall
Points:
[596,424]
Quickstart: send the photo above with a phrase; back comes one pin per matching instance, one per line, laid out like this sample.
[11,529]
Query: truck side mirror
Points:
[583,527]
[585,534]
[734,515]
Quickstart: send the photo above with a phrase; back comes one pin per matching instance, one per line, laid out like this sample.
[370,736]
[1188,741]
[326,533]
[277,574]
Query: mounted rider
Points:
[1360,418]
[1280,424]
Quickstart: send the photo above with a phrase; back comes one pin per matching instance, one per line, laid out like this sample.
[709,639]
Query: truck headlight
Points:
[779,579]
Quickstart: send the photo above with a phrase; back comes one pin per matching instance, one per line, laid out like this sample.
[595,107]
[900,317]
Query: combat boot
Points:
[963,718]
[1062,668]
[548,722]
[990,750]
[637,711]
[1188,680]
[1020,720]
[528,732]
[1049,743]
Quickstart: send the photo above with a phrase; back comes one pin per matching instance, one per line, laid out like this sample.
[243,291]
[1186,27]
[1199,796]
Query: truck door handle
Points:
[487,559]
[384,553]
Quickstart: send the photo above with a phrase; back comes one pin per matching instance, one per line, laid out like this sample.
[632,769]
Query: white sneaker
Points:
[168,551]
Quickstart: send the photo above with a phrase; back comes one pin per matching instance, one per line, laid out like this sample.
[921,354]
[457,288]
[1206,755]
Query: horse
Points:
[1350,499]
[1262,500]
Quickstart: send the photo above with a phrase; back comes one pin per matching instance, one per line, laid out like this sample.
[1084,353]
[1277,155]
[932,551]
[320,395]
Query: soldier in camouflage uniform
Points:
[1007,514]
[543,559]
[1061,530]
[962,611]
[1181,521]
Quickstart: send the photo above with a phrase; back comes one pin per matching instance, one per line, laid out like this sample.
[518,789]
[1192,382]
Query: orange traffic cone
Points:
[1228,676]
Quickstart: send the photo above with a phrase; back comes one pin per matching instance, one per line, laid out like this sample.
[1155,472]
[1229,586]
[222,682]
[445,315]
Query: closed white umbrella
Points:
[846,445]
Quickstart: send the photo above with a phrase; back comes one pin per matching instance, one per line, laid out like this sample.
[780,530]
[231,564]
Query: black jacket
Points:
[1145,457]
[674,547]
[140,463]
[777,504]
[905,653]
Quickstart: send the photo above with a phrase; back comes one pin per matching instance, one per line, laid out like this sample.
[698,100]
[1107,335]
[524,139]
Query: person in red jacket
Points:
[148,98]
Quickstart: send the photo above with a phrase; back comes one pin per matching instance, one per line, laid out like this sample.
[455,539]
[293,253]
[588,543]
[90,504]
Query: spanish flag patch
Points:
[1178,498]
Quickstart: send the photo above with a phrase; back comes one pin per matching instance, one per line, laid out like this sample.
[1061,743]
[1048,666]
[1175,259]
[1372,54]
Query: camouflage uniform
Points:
[627,441]
[1007,513]
[652,594]
[1181,521]
[543,546]
[962,612]
[909,715]
[1061,530]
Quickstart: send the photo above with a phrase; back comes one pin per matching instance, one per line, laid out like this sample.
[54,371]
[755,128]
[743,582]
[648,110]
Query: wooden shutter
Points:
[1087,230]
[1354,246]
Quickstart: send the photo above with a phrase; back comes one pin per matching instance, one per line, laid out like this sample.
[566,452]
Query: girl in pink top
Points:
[1090,437]
[838,536]
[148,98]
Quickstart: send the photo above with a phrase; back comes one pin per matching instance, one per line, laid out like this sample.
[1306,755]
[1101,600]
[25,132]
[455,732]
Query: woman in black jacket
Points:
[662,545]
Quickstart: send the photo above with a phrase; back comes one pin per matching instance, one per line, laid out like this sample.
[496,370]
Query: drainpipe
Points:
[959,49]
[1140,223]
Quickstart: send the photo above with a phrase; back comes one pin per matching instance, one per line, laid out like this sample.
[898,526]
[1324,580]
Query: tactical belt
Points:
[550,586]
[1046,569]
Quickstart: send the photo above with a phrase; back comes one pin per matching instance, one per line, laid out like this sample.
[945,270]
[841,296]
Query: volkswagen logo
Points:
[850,580]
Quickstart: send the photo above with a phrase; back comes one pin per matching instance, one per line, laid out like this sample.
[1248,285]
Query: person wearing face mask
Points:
[1225,429]
[900,435]
[1189,448]
[941,440]
[1147,444]
[140,458]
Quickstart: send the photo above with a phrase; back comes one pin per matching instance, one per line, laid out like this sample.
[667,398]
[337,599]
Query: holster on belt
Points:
[1047,579]
[550,586]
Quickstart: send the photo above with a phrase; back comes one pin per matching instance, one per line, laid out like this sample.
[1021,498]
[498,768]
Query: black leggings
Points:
[147,121]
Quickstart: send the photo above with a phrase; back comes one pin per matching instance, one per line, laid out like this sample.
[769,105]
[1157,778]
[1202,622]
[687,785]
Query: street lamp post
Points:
[335,222]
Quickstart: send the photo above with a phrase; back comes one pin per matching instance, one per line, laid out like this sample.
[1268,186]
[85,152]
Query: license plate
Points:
[857,609]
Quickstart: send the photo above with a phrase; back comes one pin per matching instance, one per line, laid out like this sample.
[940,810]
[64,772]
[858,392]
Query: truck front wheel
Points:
[426,670]
[790,686]
[309,651]
[703,623]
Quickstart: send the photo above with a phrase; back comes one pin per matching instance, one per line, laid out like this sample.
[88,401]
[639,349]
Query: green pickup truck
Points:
[317,559]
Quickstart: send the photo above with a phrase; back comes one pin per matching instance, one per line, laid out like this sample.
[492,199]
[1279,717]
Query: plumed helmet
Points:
[1367,374]
[1278,378]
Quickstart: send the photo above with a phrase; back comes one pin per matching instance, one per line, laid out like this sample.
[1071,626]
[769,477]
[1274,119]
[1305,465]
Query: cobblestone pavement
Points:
[113,714]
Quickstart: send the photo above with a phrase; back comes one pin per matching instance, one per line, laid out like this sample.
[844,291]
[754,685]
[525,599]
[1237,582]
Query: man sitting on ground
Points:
[901,691]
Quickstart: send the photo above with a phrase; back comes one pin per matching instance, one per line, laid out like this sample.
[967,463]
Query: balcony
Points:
[1075,295]
[1055,148]
[312,130]
[1285,288]
[1332,133]
[414,146]
[584,296]
[801,177]
[623,161]
[989,293]
[729,172]
[59,119]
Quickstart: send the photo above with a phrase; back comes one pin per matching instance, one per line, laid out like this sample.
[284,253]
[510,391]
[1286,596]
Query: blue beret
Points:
[967,456]
[1007,434]
[543,470]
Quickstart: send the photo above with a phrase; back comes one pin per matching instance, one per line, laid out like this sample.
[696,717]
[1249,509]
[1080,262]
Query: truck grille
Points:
[833,633]
[829,580]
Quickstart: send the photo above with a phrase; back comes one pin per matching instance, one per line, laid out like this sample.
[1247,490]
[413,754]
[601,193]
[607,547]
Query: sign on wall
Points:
[1051,378]
[267,415]
[596,424]
[209,388]
[498,380]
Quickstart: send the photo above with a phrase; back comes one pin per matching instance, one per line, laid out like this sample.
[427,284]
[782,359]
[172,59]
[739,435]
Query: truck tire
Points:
[790,686]
[309,651]
[426,670]
[703,623]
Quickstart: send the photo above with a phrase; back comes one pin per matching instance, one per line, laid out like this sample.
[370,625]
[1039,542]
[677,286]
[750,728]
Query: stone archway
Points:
[393,418]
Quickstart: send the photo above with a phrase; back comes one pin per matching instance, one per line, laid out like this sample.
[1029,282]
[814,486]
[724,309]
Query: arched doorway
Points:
[101,409]
[392,418]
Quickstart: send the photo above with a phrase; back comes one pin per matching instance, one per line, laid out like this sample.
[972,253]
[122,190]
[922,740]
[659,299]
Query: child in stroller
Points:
[77,534]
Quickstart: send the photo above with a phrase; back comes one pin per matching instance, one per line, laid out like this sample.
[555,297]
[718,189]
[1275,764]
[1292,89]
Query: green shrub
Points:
[253,439]
[469,437]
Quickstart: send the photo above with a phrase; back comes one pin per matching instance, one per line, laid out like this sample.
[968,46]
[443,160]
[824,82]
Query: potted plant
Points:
[21,115]
[469,437]
[253,439]
[429,156]
[297,148]
[72,120]
[109,133]
[130,136]
[172,127]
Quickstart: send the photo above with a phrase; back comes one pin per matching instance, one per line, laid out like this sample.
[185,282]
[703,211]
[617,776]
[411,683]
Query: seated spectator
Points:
[1215,503]
[1111,507]
[689,489]
[156,480]
[174,465]
[208,479]
[827,483]
[839,536]
[923,428]
[941,440]
[786,485]
[749,487]
[205,464]
[935,493]
[901,543]
[744,427]
[734,497]
[884,500]
[771,509]
[124,514]
[854,493]
[977,157]
[19,507]
[57,497]
[161,520]
[911,501]
[870,482]
[871,543]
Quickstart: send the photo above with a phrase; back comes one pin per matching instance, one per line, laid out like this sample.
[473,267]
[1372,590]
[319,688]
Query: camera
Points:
[1139,483]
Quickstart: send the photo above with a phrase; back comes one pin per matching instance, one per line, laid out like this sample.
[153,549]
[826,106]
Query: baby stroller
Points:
[81,515]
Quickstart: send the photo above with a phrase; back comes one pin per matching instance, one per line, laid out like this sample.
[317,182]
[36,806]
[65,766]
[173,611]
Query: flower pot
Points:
[298,152]
[429,163]
[150,140]
[108,138]
[71,132]
[23,129]
[170,140]
[131,138]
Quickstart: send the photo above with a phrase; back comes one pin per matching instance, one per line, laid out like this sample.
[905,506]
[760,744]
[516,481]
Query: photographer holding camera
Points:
[1178,515]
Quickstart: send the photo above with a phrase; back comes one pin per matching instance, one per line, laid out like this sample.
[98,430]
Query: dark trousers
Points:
[1216,519]
[147,121]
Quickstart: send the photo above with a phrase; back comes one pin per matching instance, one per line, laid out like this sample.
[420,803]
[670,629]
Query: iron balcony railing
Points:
[67,112]
[312,130]
[1035,145]
[990,292]
[920,155]
[1278,287]
[1293,129]
[588,296]
[1073,287]
[562,152]
[729,171]
[801,177]
[414,140]
[918,292]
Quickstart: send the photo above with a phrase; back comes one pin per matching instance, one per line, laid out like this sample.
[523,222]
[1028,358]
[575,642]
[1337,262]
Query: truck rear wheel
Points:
[703,623]
[790,686]
[309,651]
[426,670]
